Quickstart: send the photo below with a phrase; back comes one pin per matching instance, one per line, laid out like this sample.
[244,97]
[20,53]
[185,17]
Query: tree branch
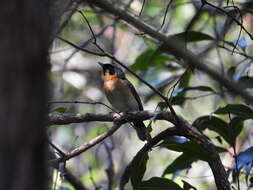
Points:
[87,145]
[184,129]
[62,119]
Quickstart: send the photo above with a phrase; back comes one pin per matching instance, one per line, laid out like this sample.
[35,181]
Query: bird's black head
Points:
[112,70]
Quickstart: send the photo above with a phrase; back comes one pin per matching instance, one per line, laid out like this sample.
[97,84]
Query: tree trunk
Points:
[24,42]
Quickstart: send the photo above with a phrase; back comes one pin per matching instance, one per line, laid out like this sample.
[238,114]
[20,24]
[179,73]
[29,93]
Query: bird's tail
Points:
[142,131]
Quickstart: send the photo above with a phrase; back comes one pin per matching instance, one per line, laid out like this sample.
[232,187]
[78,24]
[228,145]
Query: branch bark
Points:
[62,119]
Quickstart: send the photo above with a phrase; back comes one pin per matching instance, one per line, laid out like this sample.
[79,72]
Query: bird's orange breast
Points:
[111,82]
[119,94]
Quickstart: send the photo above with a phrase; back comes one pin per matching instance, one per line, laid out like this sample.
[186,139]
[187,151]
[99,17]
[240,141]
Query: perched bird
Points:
[122,95]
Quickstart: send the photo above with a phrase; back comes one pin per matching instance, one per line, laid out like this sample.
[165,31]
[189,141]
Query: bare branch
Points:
[88,145]
[80,48]
[142,7]
[62,119]
[66,173]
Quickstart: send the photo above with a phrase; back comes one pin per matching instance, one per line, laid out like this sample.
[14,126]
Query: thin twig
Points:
[80,102]
[82,49]
[142,7]
[88,145]
[56,148]
[227,13]
[165,14]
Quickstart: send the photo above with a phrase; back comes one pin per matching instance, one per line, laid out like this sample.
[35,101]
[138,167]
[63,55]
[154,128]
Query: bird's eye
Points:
[111,71]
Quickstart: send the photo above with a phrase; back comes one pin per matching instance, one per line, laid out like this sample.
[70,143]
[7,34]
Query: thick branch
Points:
[117,119]
[172,47]
[62,119]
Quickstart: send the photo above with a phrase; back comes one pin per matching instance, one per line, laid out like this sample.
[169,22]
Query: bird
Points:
[122,95]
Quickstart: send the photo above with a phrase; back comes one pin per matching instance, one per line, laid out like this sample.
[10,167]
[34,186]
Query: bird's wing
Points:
[137,97]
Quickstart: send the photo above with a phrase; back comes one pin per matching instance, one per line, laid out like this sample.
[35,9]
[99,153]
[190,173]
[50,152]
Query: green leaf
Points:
[150,57]
[215,124]
[189,148]
[182,162]
[138,168]
[210,122]
[231,71]
[246,82]
[184,82]
[236,109]
[200,88]
[191,36]
[162,105]
[229,131]
[178,100]
[188,186]
[60,110]
[236,126]
[157,183]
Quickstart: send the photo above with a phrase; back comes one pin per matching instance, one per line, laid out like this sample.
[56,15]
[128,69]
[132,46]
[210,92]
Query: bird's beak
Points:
[101,64]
